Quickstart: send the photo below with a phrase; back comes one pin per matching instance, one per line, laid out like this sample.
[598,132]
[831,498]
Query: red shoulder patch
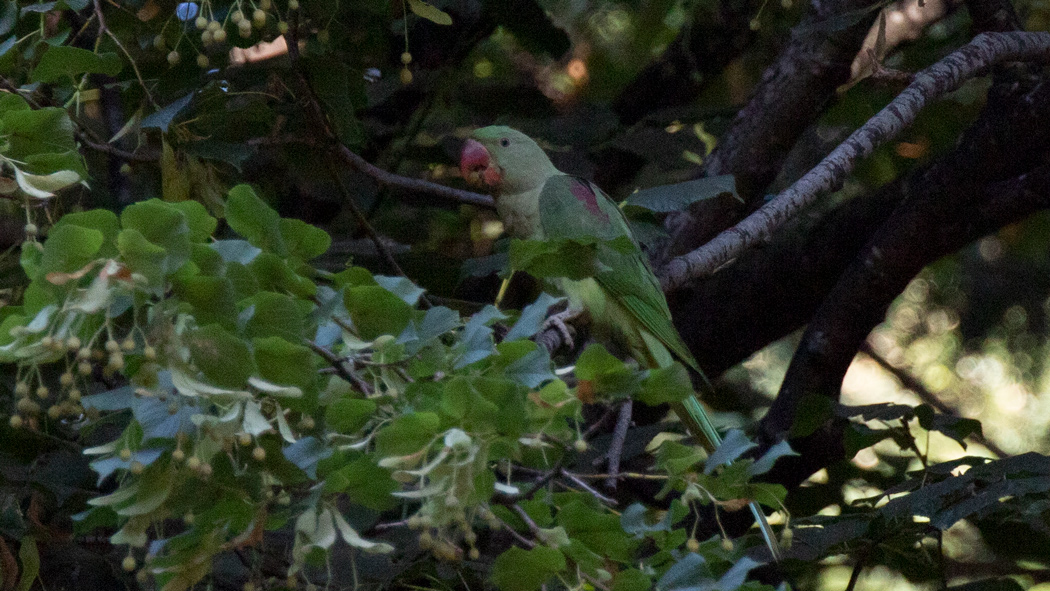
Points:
[583,192]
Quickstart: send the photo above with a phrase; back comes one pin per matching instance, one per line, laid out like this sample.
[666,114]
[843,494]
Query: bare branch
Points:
[382,177]
[945,76]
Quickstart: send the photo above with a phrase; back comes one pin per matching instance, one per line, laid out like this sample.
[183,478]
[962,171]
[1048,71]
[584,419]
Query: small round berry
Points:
[580,445]
[128,344]
[406,58]
[31,229]
[259,454]
[293,4]
[755,24]
[282,27]
[149,353]
[129,563]
[158,42]
[206,38]
[237,16]
[174,57]
[727,544]
[201,22]
[189,518]
[116,361]
[74,395]
[125,454]
[307,423]
[47,342]
[84,368]
[42,392]
[136,467]
[194,463]
[22,389]
[219,36]
[265,4]
[202,61]
[206,470]
[692,545]
[27,406]
[142,577]
[214,26]
[84,354]
[406,76]
[73,344]
[66,379]
[244,28]
[112,346]
[15,421]
[178,455]
[244,439]
[259,18]
[474,554]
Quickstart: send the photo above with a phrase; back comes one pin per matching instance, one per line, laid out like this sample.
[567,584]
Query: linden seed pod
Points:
[129,563]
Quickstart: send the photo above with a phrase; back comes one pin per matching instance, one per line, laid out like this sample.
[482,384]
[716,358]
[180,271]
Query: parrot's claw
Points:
[560,322]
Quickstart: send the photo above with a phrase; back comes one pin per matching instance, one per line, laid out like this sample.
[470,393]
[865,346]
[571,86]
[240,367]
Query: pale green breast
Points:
[520,213]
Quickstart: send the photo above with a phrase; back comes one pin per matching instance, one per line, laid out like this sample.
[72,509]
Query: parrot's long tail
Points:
[692,413]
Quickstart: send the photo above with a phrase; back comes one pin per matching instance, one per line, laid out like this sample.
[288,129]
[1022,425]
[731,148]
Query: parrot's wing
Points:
[573,208]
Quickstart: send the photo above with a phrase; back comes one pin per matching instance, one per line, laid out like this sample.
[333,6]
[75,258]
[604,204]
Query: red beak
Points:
[475,163]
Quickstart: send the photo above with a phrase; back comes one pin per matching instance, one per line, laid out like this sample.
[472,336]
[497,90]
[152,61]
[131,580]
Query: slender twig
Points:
[623,424]
[529,523]
[382,177]
[911,383]
[520,538]
[588,488]
[985,50]
[366,227]
[114,151]
[337,365]
[857,568]
[102,28]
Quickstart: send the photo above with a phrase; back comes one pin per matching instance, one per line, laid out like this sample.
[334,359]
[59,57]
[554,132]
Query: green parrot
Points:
[625,304]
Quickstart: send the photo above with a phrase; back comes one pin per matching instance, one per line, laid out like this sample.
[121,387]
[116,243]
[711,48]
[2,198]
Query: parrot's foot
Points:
[560,322]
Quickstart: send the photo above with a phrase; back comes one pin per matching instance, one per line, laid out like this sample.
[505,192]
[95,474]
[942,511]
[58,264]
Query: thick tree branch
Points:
[972,59]
[794,91]
[991,178]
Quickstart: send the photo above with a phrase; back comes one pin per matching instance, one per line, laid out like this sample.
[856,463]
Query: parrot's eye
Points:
[504,142]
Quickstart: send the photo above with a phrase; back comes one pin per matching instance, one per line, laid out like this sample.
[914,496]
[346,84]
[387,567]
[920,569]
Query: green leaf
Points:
[286,363]
[429,12]
[631,579]
[555,258]
[252,218]
[223,358]
[303,240]
[335,84]
[62,62]
[212,299]
[364,483]
[68,248]
[678,197]
[103,220]
[666,384]
[29,558]
[734,445]
[42,131]
[598,530]
[402,287]
[163,225]
[376,311]
[348,415]
[142,256]
[164,117]
[201,224]
[958,428]
[518,569]
[306,453]
[277,315]
[532,318]
[407,434]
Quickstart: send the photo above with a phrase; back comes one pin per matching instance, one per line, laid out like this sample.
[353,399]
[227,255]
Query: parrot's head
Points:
[504,159]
